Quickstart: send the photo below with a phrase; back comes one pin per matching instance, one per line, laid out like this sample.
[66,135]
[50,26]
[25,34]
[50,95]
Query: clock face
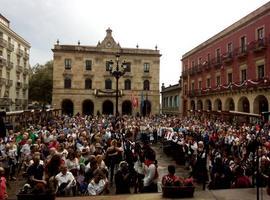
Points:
[109,44]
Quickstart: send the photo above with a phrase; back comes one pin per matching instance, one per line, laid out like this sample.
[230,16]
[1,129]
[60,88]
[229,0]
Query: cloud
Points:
[175,26]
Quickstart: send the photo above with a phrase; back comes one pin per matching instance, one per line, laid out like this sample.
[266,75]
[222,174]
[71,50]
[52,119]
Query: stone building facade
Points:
[82,82]
[14,68]
[170,99]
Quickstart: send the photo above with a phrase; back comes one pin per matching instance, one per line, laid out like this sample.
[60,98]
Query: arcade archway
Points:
[127,108]
[67,107]
[88,107]
[107,107]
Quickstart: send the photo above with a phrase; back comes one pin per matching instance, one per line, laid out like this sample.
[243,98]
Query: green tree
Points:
[40,83]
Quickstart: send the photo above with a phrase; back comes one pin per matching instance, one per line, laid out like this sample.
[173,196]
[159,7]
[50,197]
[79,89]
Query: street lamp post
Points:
[117,73]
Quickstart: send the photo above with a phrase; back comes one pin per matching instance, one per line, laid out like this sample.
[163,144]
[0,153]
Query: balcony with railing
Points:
[185,73]
[207,65]
[5,101]
[19,52]
[242,52]
[199,68]
[25,86]
[9,83]
[26,55]
[3,62]
[18,85]
[10,47]
[237,86]
[18,102]
[9,65]
[217,62]
[192,71]
[19,68]
[25,71]
[2,81]
[3,43]
[259,45]
[227,58]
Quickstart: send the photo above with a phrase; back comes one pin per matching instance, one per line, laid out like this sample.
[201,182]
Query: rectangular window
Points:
[260,71]
[218,55]
[200,60]
[230,78]
[8,75]
[185,91]
[243,44]
[229,48]
[146,67]
[108,65]
[67,63]
[200,85]
[208,83]
[192,86]
[243,75]
[67,83]
[88,65]
[208,58]
[218,81]
[128,67]
[193,63]
[260,33]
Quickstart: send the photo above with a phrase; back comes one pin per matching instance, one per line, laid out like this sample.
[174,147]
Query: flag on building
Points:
[134,101]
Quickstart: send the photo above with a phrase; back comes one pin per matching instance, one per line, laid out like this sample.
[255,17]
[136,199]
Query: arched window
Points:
[146,85]
[67,83]
[108,84]
[127,84]
[88,83]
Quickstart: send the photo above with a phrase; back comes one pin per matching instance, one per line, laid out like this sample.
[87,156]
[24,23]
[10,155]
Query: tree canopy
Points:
[41,82]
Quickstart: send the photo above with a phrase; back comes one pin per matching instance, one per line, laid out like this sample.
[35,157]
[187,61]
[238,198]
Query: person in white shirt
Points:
[66,181]
[98,184]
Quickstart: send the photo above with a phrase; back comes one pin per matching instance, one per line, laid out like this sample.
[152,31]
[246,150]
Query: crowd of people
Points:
[85,155]
[219,154]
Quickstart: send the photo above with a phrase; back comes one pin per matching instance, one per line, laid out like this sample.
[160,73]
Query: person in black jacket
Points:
[122,179]
[2,125]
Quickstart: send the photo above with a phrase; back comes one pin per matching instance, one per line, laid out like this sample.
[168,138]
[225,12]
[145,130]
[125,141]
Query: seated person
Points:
[98,184]
[170,179]
[66,181]
[36,173]
[241,181]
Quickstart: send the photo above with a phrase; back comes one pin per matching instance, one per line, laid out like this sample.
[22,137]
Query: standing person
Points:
[3,187]
[150,174]
[200,172]
[111,158]
[122,179]
[3,130]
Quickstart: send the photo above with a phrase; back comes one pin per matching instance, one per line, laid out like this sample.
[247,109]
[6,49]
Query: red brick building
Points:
[231,70]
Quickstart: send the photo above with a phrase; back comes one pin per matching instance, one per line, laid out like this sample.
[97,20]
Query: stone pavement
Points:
[229,194]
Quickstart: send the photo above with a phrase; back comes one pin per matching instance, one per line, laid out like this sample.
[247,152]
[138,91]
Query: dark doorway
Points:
[67,107]
[88,107]
[107,107]
[146,108]
[245,105]
[126,108]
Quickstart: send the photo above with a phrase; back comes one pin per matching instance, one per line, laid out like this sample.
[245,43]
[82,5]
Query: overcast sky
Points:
[175,26]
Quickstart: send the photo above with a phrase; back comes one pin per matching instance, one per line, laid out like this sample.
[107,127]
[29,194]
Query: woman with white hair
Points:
[123,179]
